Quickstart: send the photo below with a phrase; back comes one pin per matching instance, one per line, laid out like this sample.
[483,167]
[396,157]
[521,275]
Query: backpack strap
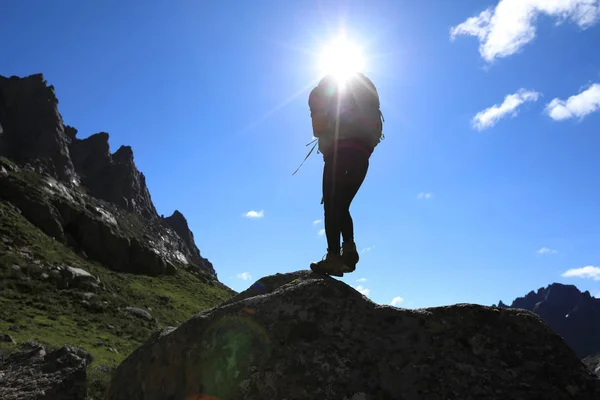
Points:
[308,155]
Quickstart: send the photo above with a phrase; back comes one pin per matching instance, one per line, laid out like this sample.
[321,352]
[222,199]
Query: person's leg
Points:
[332,263]
[331,205]
[356,167]
[356,171]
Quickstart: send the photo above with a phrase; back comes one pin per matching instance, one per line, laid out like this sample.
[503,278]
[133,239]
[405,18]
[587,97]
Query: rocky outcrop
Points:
[77,192]
[118,239]
[32,128]
[307,336]
[593,364]
[35,374]
[570,313]
[114,178]
[179,224]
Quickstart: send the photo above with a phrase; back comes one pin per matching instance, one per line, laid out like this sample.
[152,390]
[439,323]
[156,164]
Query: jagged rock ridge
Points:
[81,193]
[307,336]
[572,314]
[32,128]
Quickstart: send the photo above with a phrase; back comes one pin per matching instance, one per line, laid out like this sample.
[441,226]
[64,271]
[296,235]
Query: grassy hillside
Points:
[36,304]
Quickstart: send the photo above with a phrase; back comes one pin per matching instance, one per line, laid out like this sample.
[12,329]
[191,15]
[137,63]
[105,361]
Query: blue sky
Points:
[212,97]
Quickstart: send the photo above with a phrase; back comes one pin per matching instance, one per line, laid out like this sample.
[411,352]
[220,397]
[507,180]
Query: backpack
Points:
[353,108]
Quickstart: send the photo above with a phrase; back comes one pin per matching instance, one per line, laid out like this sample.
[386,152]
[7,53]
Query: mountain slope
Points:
[41,301]
[85,260]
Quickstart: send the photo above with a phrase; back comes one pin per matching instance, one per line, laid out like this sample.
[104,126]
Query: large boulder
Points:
[35,374]
[306,336]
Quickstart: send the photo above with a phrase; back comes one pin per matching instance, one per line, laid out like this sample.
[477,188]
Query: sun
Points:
[341,58]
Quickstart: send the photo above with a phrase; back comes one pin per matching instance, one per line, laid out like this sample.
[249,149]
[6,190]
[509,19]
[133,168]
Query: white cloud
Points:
[597,295]
[425,196]
[363,290]
[244,276]
[255,214]
[490,116]
[317,221]
[576,106]
[504,29]
[589,272]
[367,249]
[321,232]
[397,300]
[361,280]
[546,250]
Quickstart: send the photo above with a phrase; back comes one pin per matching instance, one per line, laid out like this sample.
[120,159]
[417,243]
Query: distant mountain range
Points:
[572,314]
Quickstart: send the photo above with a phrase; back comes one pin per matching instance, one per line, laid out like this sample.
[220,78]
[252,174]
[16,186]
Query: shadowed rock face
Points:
[32,128]
[34,374]
[76,191]
[306,336]
[113,178]
[179,224]
[572,314]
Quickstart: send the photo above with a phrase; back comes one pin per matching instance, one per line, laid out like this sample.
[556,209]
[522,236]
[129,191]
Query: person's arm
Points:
[319,109]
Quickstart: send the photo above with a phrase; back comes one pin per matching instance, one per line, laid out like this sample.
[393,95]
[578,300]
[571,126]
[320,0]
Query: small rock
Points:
[110,327]
[14,327]
[16,267]
[3,172]
[572,390]
[5,338]
[34,269]
[44,275]
[87,295]
[138,312]
[78,278]
[55,274]
[113,350]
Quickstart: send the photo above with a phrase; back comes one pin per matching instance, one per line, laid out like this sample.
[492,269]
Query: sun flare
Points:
[341,58]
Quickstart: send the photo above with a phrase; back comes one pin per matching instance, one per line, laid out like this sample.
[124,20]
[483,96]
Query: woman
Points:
[347,121]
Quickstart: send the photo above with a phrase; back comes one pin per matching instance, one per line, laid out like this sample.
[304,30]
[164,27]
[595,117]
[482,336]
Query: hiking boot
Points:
[331,264]
[349,256]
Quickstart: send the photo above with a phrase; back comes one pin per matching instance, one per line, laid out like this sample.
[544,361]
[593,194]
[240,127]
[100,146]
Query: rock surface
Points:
[593,363]
[573,314]
[77,192]
[179,224]
[33,374]
[32,128]
[114,178]
[306,336]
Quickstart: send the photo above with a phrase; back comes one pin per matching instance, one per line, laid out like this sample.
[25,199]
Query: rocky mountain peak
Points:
[32,128]
[571,313]
[33,135]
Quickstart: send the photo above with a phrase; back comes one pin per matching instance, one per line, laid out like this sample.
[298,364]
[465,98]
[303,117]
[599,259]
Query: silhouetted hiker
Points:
[348,124]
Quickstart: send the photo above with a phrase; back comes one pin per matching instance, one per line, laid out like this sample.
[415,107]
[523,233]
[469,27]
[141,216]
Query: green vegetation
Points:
[5,162]
[36,305]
